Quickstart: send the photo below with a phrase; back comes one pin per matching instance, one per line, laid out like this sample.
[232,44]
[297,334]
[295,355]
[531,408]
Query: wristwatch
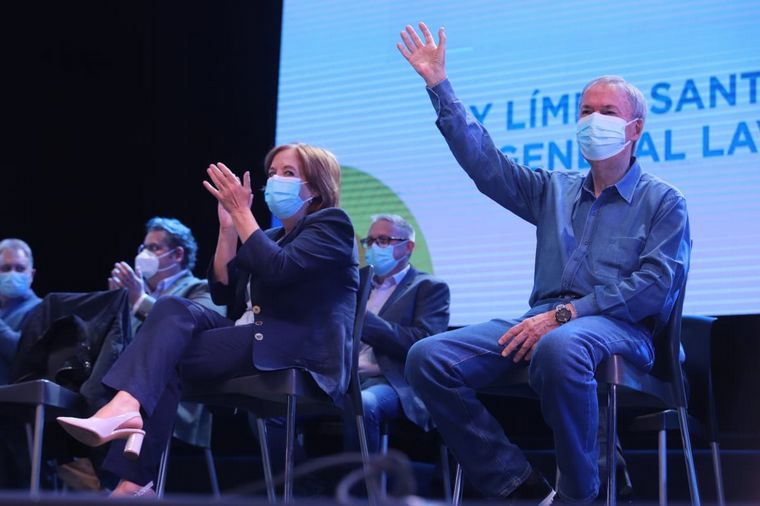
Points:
[562,314]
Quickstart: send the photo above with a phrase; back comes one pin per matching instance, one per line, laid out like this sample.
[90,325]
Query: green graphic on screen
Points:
[363,195]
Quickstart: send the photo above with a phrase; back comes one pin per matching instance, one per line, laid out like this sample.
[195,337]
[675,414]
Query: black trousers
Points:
[180,342]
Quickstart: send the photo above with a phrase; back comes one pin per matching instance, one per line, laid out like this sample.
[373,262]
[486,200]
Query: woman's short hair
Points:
[320,169]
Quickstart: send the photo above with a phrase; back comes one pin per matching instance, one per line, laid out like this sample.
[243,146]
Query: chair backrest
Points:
[362,295]
[696,336]
[667,344]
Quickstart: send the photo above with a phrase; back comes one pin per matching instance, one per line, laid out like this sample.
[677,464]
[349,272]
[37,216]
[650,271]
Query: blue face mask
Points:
[382,258]
[282,195]
[14,284]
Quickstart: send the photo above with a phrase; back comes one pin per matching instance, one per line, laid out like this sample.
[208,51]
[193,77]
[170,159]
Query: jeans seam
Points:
[513,482]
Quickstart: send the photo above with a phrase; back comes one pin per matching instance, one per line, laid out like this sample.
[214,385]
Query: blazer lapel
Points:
[402,287]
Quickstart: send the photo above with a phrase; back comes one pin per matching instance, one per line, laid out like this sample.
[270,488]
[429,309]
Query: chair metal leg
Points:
[369,481]
[212,472]
[290,442]
[689,456]
[611,444]
[266,463]
[715,450]
[445,473]
[29,439]
[457,499]
[384,443]
[39,428]
[662,465]
[163,469]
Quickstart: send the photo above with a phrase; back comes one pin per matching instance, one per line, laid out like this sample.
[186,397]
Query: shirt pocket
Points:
[620,257]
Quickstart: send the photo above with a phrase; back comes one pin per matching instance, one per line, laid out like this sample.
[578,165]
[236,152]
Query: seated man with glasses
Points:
[404,306]
[163,266]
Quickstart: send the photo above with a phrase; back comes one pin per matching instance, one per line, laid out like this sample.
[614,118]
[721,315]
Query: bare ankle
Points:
[122,402]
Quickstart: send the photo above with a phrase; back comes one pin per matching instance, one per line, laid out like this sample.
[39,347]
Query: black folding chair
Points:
[696,334]
[72,338]
[39,400]
[622,383]
[276,393]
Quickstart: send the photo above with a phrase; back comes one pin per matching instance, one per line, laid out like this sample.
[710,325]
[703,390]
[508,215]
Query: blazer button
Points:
[258,322]
[258,336]
[256,309]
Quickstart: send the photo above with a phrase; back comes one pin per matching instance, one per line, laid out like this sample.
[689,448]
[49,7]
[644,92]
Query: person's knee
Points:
[420,360]
[559,355]
[170,304]
[371,407]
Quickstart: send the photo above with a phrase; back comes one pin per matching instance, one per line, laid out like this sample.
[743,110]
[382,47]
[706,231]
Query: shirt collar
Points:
[165,283]
[627,184]
[393,280]
[625,187]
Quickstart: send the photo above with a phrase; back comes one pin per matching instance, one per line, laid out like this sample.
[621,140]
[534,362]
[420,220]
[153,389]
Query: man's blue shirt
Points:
[623,254]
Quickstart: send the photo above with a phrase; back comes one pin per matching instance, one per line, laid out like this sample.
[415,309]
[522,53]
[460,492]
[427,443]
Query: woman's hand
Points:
[233,197]
[225,219]
[426,58]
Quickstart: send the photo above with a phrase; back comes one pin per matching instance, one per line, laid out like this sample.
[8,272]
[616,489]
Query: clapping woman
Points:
[290,292]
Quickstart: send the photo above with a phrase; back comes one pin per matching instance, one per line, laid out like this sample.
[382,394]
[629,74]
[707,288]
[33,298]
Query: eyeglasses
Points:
[381,240]
[152,247]
[13,268]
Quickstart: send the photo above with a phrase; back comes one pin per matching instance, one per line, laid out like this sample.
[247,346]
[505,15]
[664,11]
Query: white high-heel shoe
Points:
[97,431]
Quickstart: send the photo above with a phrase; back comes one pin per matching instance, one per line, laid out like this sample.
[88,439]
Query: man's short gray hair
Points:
[18,244]
[406,229]
[635,98]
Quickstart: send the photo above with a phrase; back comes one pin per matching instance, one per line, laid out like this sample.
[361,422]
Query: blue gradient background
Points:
[344,86]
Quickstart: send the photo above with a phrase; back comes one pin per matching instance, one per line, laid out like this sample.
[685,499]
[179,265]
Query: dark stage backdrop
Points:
[111,111]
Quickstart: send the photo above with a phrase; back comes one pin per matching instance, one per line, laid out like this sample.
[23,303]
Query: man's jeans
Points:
[447,369]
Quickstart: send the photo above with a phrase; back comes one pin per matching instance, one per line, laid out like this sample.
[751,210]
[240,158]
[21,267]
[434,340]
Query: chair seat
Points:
[640,386]
[666,420]
[616,370]
[266,393]
[41,391]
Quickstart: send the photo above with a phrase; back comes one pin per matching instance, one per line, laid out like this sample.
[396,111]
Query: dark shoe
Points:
[79,474]
[534,490]
[624,485]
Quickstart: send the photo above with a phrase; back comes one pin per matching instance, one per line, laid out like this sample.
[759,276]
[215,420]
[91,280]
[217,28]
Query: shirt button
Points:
[258,336]
[258,322]
[256,309]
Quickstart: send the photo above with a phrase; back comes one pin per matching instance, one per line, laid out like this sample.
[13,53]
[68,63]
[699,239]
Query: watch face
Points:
[562,314]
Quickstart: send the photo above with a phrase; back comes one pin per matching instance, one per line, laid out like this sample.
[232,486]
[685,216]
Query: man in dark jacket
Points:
[405,305]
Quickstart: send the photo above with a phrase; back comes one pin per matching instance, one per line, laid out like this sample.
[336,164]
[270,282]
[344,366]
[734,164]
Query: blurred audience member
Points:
[16,298]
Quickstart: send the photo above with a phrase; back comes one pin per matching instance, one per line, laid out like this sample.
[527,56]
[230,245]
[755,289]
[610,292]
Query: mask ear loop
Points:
[162,256]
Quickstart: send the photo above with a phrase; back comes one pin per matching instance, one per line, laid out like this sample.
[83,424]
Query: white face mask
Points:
[147,262]
[601,137]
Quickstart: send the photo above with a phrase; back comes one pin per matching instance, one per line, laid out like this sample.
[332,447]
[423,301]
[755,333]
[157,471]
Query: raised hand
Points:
[233,195]
[428,59]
